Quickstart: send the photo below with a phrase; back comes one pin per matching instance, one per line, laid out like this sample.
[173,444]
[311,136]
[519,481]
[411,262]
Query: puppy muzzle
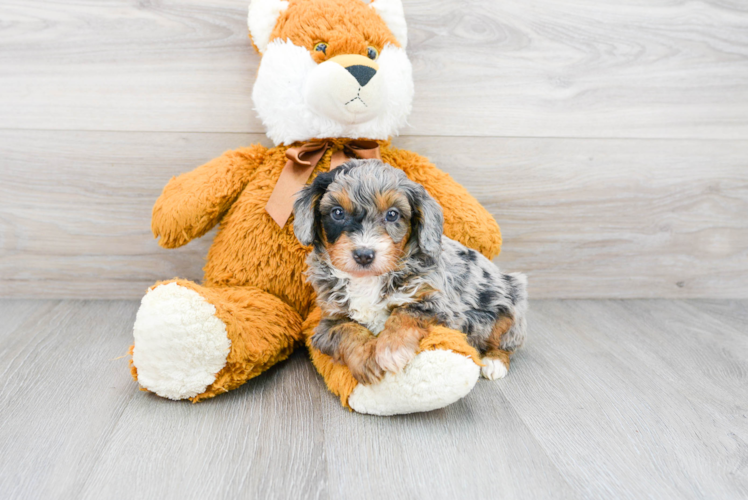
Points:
[364,256]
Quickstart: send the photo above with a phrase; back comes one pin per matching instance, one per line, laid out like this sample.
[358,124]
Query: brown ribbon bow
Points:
[300,165]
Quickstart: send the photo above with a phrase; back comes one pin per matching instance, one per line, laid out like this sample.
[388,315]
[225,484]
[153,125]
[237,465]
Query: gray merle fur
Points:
[470,293]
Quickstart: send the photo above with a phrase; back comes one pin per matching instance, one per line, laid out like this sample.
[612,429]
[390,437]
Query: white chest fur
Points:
[365,303]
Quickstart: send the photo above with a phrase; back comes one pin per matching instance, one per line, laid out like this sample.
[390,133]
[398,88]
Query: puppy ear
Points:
[305,208]
[261,20]
[427,221]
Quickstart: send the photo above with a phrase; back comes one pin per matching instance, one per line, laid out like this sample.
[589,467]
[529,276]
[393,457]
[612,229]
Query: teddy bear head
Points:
[331,68]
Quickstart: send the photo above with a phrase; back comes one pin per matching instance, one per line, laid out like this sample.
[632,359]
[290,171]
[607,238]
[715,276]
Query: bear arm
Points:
[465,220]
[193,202]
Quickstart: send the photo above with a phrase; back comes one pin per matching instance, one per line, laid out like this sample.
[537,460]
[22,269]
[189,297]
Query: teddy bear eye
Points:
[337,213]
[321,47]
[372,53]
[392,215]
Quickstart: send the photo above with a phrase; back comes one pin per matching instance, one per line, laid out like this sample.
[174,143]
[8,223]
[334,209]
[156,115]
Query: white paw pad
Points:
[180,344]
[494,369]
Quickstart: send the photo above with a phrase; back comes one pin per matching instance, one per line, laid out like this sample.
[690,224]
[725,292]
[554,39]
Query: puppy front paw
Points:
[494,369]
[363,364]
[394,360]
[367,373]
[397,348]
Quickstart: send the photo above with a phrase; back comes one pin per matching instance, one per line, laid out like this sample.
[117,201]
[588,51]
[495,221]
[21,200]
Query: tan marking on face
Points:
[335,196]
[386,259]
[389,259]
[385,200]
[344,201]
[403,243]
[341,252]
[393,199]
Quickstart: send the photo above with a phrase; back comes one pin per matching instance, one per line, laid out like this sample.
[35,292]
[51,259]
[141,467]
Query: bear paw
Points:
[180,344]
[433,380]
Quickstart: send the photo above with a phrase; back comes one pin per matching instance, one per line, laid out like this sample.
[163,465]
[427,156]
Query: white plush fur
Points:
[494,369]
[261,20]
[180,344]
[391,11]
[298,100]
[331,91]
[434,379]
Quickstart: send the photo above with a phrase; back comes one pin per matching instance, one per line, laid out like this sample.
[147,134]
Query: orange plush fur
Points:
[254,274]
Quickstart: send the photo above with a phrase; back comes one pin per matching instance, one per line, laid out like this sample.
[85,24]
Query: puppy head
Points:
[367,216]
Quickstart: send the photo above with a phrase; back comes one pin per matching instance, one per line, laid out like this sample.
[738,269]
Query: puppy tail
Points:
[517,290]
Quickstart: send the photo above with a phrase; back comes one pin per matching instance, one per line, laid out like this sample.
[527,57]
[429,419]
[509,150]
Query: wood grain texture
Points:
[62,393]
[602,218]
[263,440]
[608,399]
[629,395]
[553,68]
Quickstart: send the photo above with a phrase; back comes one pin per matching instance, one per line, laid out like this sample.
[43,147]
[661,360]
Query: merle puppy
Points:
[384,274]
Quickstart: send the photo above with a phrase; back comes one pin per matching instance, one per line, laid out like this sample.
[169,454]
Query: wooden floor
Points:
[609,399]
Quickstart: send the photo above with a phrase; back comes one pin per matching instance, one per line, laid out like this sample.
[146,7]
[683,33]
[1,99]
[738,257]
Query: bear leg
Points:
[197,342]
[445,370]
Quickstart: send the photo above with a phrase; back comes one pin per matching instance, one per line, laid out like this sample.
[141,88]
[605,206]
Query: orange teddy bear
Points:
[334,82]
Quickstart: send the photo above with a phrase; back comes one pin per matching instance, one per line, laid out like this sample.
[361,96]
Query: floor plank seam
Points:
[105,445]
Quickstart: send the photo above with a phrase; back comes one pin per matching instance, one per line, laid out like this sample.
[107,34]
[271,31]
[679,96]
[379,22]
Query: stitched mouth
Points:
[357,98]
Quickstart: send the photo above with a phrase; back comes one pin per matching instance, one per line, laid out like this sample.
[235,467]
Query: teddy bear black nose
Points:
[361,73]
[363,256]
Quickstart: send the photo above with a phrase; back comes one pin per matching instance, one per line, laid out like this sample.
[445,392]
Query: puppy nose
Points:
[362,73]
[363,256]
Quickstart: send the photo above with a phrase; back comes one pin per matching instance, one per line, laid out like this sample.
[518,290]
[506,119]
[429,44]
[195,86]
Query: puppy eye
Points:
[337,213]
[392,215]
[321,47]
[372,53]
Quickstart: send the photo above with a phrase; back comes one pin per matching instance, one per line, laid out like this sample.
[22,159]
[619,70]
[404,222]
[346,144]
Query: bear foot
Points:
[433,380]
[180,344]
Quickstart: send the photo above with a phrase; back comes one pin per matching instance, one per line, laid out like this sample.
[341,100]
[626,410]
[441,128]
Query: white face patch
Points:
[298,100]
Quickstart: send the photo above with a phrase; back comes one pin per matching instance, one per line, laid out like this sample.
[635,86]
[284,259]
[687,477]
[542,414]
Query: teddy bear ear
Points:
[262,17]
[391,11]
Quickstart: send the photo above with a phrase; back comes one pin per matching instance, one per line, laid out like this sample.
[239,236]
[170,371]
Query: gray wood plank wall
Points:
[610,141]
